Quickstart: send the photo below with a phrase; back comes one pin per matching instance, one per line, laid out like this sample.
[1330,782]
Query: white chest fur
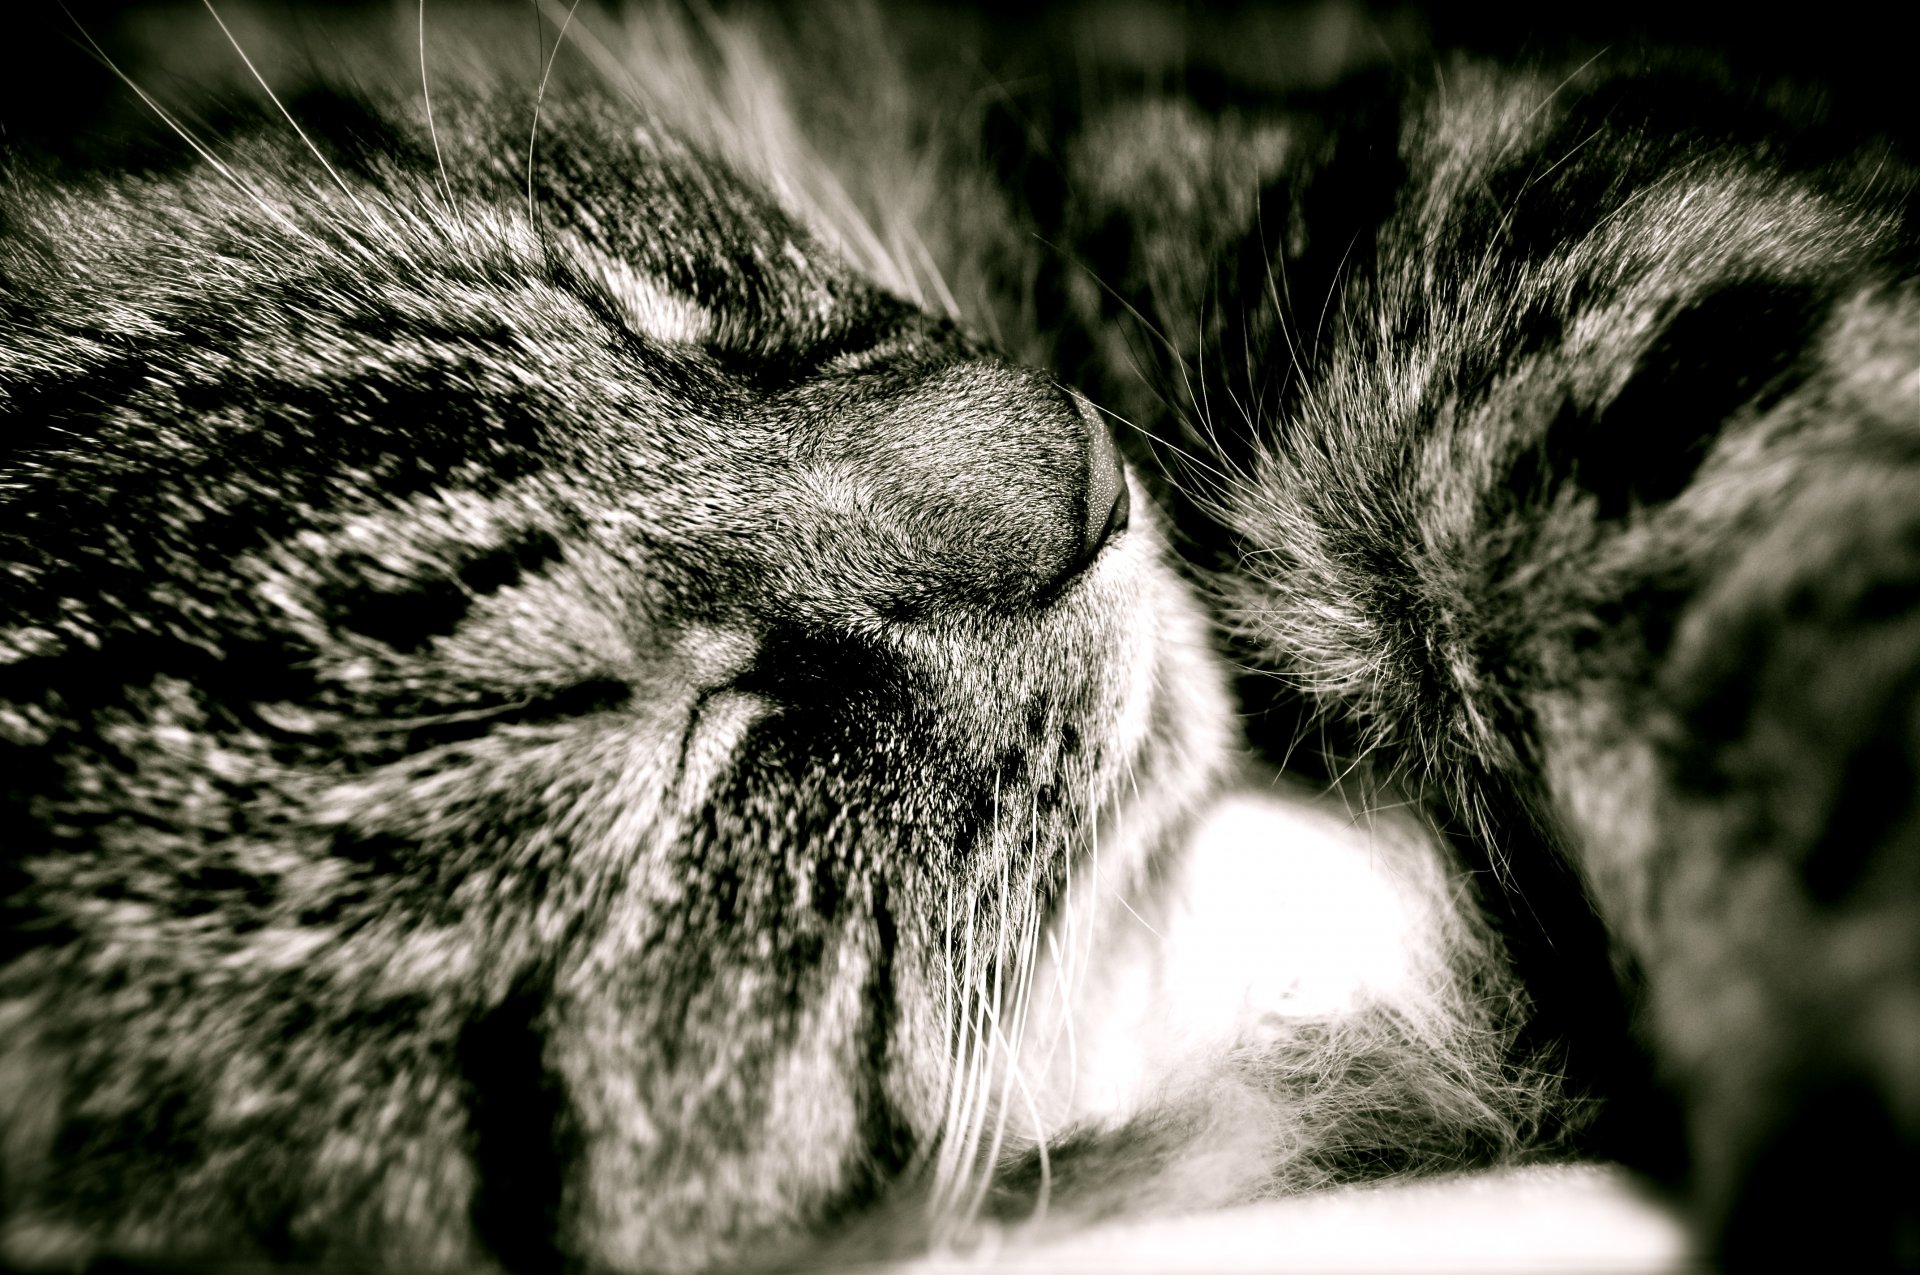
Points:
[1281,906]
[1281,910]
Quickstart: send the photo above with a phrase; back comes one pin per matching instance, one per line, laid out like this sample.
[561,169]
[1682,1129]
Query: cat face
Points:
[542,709]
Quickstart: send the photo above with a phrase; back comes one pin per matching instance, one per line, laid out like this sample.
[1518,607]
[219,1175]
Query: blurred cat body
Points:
[1552,433]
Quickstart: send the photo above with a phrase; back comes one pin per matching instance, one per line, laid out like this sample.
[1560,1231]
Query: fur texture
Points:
[514,667]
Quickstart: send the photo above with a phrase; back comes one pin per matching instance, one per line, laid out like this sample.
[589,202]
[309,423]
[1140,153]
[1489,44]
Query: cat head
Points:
[546,714]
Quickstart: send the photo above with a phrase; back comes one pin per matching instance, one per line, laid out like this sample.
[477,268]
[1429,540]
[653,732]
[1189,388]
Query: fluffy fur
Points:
[513,668]
[550,720]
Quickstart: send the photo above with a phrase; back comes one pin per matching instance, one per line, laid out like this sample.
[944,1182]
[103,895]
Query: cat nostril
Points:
[1108,504]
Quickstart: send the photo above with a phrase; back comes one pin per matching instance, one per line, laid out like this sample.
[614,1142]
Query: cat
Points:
[565,707]
[552,720]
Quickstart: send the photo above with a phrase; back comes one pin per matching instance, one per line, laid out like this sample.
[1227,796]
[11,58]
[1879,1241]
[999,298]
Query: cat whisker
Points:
[1256,394]
[1370,809]
[948,1020]
[1193,399]
[1015,1078]
[1062,950]
[948,302]
[1144,923]
[1152,383]
[1337,784]
[990,1005]
[1333,290]
[588,42]
[1004,1045]
[1007,1049]
[971,1092]
[1225,478]
[1133,781]
[426,100]
[540,98]
[1211,436]
[949,1171]
[365,212]
[1145,323]
[1063,991]
[971,1035]
[1065,966]
[1281,316]
[212,160]
[1202,429]
[1573,75]
[1093,918]
[1207,431]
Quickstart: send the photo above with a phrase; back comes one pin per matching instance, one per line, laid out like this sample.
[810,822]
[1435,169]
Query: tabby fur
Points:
[1553,433]
[566,706]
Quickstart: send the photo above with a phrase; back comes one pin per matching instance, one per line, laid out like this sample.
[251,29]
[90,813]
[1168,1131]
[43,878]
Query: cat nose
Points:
[974,484]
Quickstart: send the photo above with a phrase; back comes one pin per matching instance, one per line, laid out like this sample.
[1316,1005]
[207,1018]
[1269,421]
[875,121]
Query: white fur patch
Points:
[1293,913]
[1279,907]
[653,309]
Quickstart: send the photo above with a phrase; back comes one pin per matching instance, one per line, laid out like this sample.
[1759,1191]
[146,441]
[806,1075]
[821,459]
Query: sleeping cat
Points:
[564,708]
[552,721]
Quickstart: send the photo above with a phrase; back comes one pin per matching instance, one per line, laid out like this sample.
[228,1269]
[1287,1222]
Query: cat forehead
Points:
[627,187]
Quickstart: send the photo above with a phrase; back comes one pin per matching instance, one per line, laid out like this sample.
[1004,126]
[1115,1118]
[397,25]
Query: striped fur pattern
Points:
[564,706]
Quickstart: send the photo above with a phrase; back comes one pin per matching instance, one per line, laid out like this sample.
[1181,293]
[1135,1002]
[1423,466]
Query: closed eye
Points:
[653,309]
[846,361]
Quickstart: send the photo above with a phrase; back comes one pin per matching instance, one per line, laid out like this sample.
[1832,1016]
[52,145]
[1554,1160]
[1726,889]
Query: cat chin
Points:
[1231,995]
